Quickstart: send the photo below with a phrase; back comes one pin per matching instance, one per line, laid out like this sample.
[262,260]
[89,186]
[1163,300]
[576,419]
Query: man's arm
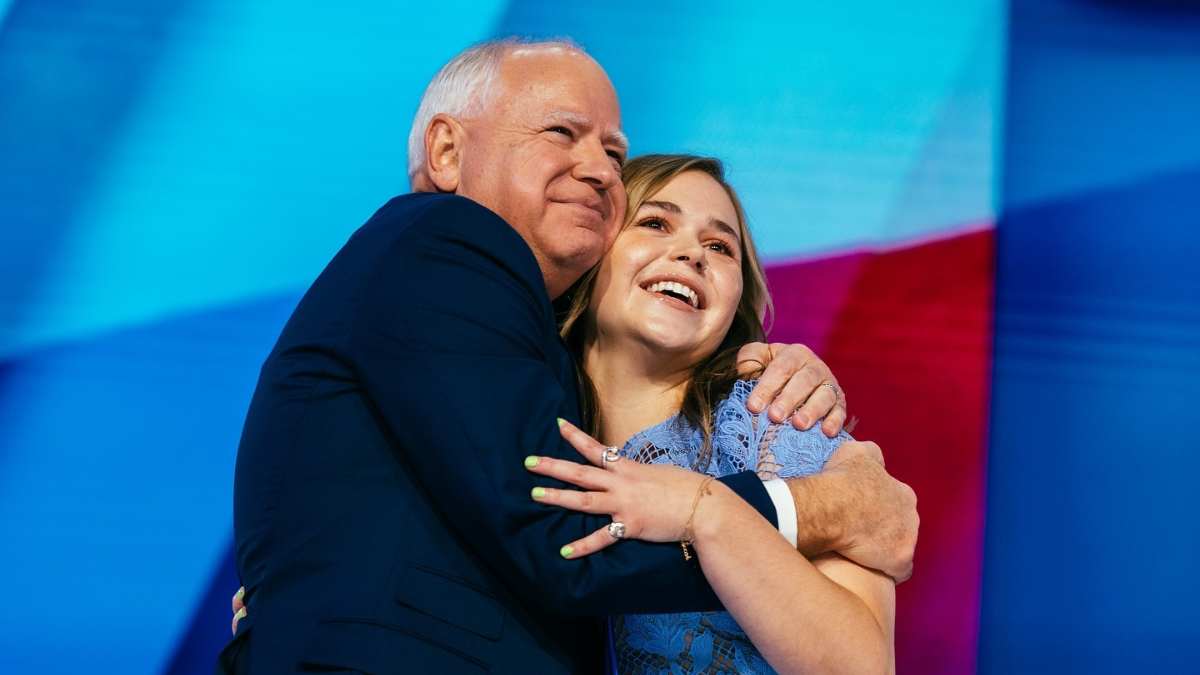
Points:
[853,507]
[449,345]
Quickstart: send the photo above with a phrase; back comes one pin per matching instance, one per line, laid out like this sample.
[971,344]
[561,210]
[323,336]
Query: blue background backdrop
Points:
[1092,539]
[174,174]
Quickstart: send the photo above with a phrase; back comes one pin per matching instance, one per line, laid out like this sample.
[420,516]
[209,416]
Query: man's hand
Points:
[793,376]
[853,507]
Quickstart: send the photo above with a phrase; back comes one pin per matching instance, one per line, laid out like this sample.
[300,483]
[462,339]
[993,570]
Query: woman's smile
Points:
[676,291]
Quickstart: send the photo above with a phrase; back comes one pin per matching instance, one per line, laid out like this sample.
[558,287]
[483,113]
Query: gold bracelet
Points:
[689,536]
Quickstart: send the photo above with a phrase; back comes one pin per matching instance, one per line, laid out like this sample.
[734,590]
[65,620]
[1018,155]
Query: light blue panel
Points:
[267,133]
[843,124]
[255,136]
[269,127]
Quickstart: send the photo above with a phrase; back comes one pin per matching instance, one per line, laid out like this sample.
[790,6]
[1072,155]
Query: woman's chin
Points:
[670,346]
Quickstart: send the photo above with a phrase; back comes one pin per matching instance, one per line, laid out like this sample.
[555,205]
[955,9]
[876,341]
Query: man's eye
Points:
[561,130]
[617,158]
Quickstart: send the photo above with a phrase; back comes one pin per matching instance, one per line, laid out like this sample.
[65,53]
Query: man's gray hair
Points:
[464,86]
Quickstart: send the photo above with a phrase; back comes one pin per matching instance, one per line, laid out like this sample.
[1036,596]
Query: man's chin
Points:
[584,260]
[579,259]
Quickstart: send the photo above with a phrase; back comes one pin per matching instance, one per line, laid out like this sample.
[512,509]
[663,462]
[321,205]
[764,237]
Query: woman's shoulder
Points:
[745,440]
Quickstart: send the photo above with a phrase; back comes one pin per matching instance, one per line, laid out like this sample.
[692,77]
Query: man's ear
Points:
[445,139]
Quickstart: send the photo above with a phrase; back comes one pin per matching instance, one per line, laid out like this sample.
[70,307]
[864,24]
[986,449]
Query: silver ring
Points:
[831,386]
[616,530]
[611,455]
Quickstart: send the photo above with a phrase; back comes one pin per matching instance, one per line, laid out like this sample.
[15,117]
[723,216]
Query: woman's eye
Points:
[721,247]
[653,223]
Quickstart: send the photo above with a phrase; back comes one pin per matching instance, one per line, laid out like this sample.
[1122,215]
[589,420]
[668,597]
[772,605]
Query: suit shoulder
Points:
[447,241]
[425,213]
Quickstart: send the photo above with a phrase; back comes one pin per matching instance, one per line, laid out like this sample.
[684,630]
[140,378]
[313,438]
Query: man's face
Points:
[546,156]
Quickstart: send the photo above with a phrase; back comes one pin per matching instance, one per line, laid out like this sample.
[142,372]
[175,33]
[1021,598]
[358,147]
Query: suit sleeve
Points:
[448,342]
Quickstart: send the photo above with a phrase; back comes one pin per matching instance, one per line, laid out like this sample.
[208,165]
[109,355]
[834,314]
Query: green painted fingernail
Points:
[532,461]
[241,593]
[538,492]
[566,551]
[561,422]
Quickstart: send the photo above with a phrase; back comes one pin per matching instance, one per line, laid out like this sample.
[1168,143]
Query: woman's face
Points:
[673,278]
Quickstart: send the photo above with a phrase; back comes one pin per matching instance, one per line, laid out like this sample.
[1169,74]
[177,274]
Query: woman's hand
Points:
[654,501]
[239,607]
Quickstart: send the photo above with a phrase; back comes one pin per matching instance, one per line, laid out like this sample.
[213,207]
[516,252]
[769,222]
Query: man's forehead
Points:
[563,86]
[556,72]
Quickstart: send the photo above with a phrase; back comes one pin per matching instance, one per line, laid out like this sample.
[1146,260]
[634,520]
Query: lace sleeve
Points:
[746,441]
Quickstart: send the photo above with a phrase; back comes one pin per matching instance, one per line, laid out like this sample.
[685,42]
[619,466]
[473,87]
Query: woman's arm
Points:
[827,616]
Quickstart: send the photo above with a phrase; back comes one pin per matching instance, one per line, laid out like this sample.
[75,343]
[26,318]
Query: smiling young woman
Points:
[649,180]
[657,326]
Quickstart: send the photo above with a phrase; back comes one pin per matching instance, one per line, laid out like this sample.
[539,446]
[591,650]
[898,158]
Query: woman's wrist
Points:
[715,513]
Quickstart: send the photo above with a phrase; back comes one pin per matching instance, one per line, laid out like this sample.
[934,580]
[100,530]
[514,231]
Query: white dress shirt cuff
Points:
[785,508]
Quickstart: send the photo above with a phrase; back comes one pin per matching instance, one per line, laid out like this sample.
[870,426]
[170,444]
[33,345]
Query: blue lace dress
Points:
[712,642]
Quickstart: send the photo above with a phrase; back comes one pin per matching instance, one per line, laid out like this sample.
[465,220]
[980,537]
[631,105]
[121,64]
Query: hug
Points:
[526,421]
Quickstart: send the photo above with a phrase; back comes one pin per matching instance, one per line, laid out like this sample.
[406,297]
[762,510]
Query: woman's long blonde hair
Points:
[713,378]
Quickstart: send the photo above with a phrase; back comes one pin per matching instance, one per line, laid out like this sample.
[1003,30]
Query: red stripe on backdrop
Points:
[909,334]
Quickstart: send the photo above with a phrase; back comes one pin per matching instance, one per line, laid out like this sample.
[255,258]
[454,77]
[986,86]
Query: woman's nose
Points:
[691,259]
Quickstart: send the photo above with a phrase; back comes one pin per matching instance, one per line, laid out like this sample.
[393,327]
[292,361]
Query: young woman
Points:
[657,326]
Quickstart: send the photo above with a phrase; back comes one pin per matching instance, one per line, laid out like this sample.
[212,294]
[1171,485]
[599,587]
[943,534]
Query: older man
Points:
[382,517]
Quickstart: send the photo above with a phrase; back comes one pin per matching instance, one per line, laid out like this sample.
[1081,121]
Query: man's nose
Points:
[596,167]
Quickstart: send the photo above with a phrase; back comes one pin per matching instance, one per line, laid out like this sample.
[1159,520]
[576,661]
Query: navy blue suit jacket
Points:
[382,515]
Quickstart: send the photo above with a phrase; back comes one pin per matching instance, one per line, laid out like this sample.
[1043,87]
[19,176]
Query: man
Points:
[382,515]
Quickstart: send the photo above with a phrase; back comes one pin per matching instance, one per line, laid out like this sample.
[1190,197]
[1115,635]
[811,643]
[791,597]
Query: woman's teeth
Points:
[676,289]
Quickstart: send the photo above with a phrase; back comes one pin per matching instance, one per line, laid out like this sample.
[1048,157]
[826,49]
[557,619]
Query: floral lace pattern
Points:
[712,642]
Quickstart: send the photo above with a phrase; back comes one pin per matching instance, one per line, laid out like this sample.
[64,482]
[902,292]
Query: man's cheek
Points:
[611,239]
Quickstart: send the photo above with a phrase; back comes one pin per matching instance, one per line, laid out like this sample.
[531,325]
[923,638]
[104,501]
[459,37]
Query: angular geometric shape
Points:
[908,333]
[1092,539]
[116,480]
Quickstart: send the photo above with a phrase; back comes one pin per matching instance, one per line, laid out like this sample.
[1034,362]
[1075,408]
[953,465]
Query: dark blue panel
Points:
[1092,543]
[1099,93]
